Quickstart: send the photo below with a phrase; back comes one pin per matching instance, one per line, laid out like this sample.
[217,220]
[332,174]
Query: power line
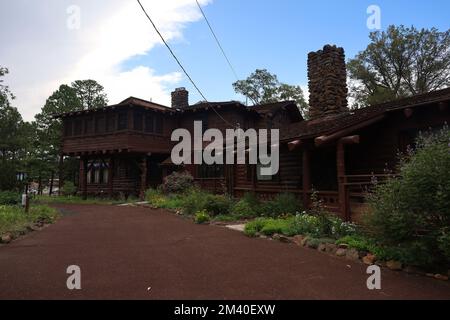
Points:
[220,46]
[217,40]
[181,66]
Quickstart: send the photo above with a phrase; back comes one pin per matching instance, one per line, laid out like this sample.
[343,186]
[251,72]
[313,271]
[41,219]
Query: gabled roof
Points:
[322,126]
[146,104]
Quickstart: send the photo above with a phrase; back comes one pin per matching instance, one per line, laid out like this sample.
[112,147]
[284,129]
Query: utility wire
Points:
[181,66]
[220,46]
[217,40]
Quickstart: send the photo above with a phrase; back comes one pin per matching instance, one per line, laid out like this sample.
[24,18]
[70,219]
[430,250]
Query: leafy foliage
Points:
[411,214]
[178,182]
[13,219]
[400,62]
[201,217]
[9,198]
[218,205]
[264,87]
[282,204]
[69,189]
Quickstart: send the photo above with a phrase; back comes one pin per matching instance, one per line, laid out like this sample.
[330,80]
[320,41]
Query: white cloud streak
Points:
[42,53]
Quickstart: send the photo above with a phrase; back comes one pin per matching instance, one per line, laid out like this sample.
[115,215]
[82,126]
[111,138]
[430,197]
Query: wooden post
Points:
[344,204]
[340,159]
[60,182]
[306,176]
[143,178]
[111,176]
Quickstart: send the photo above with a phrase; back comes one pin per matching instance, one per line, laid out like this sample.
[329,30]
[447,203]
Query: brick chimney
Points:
[180,98]
[327,76]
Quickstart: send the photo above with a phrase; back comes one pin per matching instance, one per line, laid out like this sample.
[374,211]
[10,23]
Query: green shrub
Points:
[244,210]
[155,198]
[14,219]
[178,182]
[225,218]
[193,201]
[218,205]
[253,227]
[201,217]
[9,198]
[410,214]
[282,204]
[69,189]
[272,226]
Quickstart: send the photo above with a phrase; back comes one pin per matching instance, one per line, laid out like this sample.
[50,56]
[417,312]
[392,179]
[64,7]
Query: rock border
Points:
[352,254]
[9,237]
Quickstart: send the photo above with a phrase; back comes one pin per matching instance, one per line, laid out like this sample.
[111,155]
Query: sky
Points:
[47,43]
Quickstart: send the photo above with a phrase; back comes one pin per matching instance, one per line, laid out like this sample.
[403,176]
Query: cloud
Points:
[42,52]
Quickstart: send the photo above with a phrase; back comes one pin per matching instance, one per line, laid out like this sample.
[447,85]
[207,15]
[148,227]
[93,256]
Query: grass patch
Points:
[14,220]
[44,199]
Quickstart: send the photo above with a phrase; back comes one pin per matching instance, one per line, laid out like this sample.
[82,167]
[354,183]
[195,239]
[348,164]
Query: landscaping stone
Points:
[6,238]
[330,248]
[276,236]
[343,246]
[380,263]
[298,240]
[394,265]
[369,259]
[341,252]
[322,247]
[312,243]
[441,277]
[304,241]
[284,239]
[352,254]
[431,275]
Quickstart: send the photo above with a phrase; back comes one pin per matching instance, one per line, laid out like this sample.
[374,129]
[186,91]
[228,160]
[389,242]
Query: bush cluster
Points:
[9,198]
[301,224]
[410,215]
[177,182]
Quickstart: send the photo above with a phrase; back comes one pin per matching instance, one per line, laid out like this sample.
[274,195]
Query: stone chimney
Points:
[327,76]
[180,98]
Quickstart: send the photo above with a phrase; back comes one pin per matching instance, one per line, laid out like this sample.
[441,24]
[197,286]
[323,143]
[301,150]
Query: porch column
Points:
[111,176]
[306,176]
[143,178]
[341,177]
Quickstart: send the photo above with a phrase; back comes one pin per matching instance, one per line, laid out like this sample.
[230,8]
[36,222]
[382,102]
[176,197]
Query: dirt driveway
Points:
[139,253]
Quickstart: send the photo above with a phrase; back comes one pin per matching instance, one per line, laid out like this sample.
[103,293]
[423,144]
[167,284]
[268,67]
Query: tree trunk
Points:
[50,192]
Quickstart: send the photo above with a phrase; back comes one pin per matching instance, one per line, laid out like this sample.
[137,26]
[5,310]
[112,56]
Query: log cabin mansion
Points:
[126,148]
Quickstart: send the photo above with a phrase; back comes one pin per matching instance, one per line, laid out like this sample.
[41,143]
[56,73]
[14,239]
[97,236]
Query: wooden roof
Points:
[328,125]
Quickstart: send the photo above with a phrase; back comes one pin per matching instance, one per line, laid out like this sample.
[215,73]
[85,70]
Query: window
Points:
[77,127]
[88,126]
[68,128]
[98,172]
[100,124]
[210,171]
[149,125]
[122,121]
[137,120]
